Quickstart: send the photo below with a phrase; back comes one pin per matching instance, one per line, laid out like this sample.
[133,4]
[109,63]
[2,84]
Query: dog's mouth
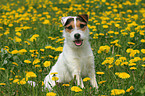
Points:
[78,42]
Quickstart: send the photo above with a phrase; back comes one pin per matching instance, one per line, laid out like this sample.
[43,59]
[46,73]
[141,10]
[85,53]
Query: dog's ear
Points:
[63,20]
[85,17]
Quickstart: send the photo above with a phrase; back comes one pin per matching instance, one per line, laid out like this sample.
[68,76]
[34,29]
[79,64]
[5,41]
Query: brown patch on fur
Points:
[80,26]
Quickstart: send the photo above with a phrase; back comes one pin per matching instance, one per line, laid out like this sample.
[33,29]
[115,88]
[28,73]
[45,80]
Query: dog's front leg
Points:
[93,81]
[79,80]
[91,72]
[77,73]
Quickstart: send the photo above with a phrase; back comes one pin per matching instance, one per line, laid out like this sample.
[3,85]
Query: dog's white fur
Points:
[73,61]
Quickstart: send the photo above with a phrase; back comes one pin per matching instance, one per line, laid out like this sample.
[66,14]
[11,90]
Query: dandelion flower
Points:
[51,94]
[31,74]
[129,89]
[55,78]
[17,39]
[22,51]
[2,68]
[117,91]
[105,26]
[22,82]
[100,73]
[65,85]
[143,51]
[86,79]
[2,83]
[36,61]
[14,52]
[27,61]
[46,63]
[76,89]
[46,22]
[42,50]
[59,49]
[122,75]
[53,73]
[16,80]
[101,82]
[133,68]
[142,40]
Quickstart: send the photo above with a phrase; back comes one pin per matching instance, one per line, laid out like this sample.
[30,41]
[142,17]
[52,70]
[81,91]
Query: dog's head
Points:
[76,32]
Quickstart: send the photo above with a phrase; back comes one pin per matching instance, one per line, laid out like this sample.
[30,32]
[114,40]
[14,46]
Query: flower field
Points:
[31,41]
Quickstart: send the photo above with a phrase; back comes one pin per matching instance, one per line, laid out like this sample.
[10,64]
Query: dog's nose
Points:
[77,36]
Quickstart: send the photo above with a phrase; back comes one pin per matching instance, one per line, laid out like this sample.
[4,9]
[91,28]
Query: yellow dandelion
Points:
[42,50]
[86,79]
[65,85]
[7,32]
[143,65]
[132,64]
[133,68]
[129,89]
[16,80]
[10,79]
[2,83]
[27,61]
[51,94]
[105,26]
[46,63]
[110,66]
[15,63]
[10,25]
[42,83]
[22,51]
[142,40]
[53,73]
[48,47]
[117,91]
[131,43]
[18,33]
[76,89]
[100,73]
[17,76]
[31,74]
[46,22]
[1,34]
[17,39]
[132,34]
[36,61]
[122,75]
[37,66]
[55,78]
[2,69]
[143,51]
[59,49]
[14,52]
[22,82]
[101,82]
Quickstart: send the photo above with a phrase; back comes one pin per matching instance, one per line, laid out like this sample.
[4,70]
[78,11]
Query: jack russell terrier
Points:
[77,59]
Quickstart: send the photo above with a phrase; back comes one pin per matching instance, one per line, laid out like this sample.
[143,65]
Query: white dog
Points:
[77,57]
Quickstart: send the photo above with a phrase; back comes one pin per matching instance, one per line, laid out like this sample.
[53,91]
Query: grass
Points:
[117,38]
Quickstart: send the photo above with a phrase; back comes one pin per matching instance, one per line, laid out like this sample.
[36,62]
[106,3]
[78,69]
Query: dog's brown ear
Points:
[85,17]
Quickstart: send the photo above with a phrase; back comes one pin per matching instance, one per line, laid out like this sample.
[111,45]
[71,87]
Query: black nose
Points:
[77,36]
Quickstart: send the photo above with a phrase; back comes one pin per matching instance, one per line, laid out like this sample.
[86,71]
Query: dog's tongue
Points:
[78,42]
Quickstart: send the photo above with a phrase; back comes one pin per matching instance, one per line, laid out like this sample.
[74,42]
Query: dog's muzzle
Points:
[78,41]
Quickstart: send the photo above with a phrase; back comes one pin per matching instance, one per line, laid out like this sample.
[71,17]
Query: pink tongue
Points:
[78,42]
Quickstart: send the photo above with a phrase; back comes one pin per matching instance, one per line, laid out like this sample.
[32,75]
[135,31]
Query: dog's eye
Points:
[70,27]
[82,25]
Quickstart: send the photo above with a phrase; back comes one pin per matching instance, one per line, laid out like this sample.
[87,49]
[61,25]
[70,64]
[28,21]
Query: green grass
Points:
[27,17]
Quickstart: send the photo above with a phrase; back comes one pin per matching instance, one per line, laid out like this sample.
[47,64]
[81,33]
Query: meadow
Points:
[31,41]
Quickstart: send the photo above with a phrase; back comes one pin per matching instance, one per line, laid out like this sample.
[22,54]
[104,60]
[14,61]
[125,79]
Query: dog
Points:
[76,59]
